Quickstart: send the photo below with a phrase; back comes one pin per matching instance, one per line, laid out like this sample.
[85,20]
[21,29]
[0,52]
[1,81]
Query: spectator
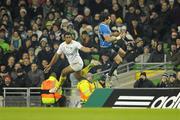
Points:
[106,62]
[35,9]
[165,18]
[172,51]
[156,23]
[96,19]
[35,40]
[36,31]
[116,9]
[45,54]
[47,73]
[47,6]
[146,29]
[3,44]
[23,16]
[172,79]
[164,81]
[3,71]
[16,41]
[7,81]
[81,6]
[157,55]
[87,16]
[35,75]
[134,29]
[143,82]
[43,43]
[13,74]
[10,64]
[26,65]
[50,20]
[98,4]
[57,32]
[19,76]
[177,82]
[31,54]
[143,58]
[130,15]
[139,46]
[131,54]
[153,45]
[174,13]
[1,55]
[176,59]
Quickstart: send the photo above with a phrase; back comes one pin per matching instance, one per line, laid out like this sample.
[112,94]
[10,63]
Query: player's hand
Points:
[47,68]
[118,37]
[93,49]
[53,90]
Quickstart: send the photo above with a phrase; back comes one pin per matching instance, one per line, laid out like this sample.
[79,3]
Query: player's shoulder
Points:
[75,42]
[102,26]
[62,44]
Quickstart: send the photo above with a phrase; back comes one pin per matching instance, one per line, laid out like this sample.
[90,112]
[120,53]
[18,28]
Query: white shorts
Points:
[77,66]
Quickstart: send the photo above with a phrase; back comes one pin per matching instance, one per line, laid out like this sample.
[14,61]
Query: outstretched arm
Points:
[53,61]
[88,50]
[109,38]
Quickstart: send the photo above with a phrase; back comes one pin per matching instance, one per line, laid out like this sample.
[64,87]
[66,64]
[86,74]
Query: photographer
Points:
[143,82]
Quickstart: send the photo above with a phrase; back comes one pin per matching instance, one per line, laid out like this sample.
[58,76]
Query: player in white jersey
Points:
[70,49]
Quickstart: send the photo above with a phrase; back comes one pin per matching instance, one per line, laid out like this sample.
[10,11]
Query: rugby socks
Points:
[85,70]
[61,80]
[114,66]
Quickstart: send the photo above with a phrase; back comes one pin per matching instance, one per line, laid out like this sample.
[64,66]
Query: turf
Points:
[88,114]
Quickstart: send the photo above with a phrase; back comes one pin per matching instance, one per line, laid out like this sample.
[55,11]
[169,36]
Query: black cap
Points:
[165,74]
[173,75]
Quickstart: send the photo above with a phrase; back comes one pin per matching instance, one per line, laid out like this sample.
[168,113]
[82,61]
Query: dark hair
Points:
[34,35]
[67,33]
[2,30]
[85,32]
[143,73]
[104,16]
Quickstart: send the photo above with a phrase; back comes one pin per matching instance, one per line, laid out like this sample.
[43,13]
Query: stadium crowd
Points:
[31,31]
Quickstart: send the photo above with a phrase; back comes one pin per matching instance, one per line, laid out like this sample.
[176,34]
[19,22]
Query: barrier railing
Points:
[29,97]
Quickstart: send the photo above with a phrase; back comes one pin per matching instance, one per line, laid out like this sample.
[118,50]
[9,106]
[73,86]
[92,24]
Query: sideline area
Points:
[88,114]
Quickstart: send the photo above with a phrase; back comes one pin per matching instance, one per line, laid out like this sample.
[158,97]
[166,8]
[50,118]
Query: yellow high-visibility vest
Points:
[86,88]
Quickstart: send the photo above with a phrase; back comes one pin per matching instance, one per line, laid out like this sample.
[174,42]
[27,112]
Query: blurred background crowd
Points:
[31,31]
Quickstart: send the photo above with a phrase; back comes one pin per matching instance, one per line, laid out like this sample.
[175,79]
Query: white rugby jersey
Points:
[71,51]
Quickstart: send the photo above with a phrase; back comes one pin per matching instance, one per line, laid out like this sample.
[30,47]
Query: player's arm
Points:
[53,61]
[109,38]
[87,49]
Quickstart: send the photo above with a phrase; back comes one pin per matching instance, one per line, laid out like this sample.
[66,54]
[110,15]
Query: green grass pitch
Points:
[88,114]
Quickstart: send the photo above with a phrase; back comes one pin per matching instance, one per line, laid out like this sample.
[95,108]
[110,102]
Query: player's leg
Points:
[121,52]
[85,70]
[117,60]
[77,69]
[64,74]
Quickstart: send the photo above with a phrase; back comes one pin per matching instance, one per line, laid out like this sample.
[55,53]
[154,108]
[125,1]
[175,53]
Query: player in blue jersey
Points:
[107,38]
